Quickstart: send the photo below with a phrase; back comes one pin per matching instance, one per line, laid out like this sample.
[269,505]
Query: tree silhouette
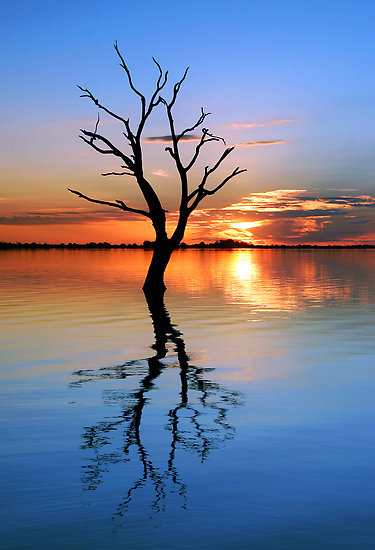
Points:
[198,422]
[132,165]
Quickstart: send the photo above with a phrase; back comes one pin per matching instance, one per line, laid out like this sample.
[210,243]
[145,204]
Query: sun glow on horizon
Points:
[279,216]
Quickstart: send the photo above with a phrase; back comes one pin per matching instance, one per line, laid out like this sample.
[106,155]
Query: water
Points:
[250,426]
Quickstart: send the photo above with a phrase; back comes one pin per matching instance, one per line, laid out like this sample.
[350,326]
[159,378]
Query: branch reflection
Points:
[197,423]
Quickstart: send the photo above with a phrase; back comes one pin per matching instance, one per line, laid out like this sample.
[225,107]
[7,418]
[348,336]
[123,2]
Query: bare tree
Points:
[133,166]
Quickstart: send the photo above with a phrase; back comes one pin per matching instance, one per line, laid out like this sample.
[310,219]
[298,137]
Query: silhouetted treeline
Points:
[221,244]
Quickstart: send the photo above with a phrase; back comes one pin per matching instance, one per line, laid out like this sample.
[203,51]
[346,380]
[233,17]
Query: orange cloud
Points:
[305,226]
[289,216]
[260,143]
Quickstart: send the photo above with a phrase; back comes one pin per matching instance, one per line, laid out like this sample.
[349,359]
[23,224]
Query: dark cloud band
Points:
[168,139]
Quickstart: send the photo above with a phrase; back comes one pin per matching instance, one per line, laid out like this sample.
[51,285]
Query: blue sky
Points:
[251,64]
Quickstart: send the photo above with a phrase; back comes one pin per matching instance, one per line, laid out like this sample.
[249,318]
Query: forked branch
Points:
[87,93]
[206,137]
[192,128]
[176,88]
[160,83]
[112,149]
[201,191]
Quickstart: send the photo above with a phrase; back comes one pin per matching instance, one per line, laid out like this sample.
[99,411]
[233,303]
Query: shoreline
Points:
[219,245]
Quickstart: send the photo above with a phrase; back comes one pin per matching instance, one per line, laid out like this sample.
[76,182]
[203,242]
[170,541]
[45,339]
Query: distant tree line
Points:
[149,245]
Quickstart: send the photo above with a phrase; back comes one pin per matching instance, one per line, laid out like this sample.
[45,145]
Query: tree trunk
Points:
[154,282]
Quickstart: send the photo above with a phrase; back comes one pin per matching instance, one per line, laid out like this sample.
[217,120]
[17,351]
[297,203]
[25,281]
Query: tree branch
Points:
[223,156]
[129,135]
[235,172]
[208,171]
[152,104]
[117,204]
[201,192]
[198,123]
[125,67]
[159,84]
[112,148]
[177,86]
[170,151]
[92,144]
[127,208]
[174,151]
[117,174]
[203,140]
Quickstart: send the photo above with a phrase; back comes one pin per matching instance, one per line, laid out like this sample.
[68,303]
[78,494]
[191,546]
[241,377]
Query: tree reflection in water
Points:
[199,425]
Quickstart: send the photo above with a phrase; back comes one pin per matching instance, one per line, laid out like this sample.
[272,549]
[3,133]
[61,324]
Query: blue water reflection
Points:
[197,422]
[253,429]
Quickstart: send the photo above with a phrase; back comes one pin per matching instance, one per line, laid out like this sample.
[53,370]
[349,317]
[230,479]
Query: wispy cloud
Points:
[275,122]
[49,217]
[44,220]
[260,143]
[168,139]
[281,200]
[161,173]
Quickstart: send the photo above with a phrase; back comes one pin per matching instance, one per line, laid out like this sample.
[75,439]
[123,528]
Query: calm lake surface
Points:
[249,424]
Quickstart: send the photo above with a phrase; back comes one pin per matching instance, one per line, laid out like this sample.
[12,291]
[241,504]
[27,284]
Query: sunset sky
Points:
[291,84]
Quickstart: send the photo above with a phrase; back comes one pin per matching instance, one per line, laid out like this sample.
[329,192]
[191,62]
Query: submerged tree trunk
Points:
[154,282]
[163,249]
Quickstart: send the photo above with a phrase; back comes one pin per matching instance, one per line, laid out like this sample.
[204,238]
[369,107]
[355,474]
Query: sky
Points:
[290,84]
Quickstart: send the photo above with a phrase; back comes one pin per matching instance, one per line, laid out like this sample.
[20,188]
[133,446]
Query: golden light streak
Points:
[260,143]
[291,199]
[270,201]
[246,225]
